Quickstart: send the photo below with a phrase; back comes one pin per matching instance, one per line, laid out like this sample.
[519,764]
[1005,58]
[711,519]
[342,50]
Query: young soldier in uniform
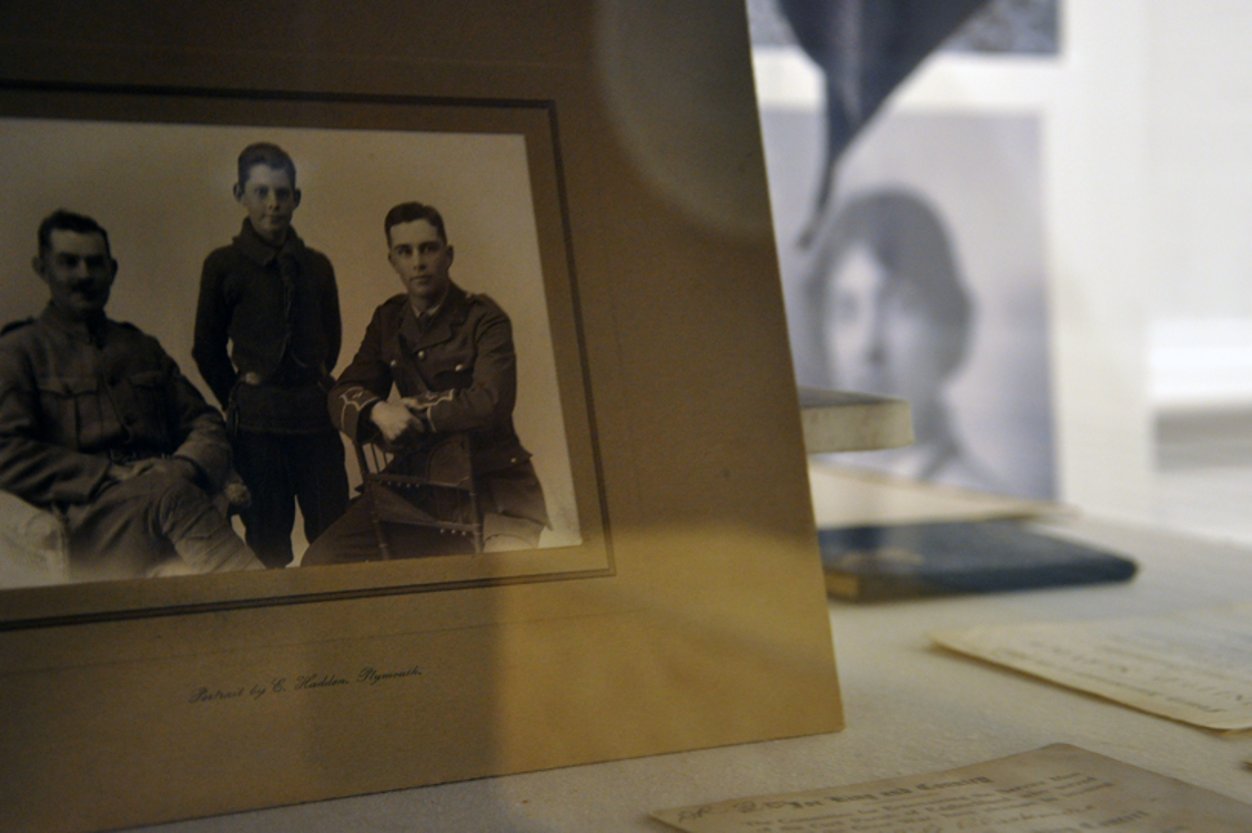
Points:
[98,426]
[275,301]
[450,354]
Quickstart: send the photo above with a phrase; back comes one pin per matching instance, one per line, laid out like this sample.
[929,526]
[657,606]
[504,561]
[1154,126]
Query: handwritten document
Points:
[1194,667]
[1057,789]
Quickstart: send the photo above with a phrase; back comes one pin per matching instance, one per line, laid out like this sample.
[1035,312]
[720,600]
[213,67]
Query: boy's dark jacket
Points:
[279,308]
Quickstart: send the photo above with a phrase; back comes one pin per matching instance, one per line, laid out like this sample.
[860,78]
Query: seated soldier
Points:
[98,426]
[450,354]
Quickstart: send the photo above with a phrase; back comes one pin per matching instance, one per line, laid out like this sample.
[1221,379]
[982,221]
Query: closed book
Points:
[868,563]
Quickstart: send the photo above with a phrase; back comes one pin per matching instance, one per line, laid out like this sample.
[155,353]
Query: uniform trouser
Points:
[354,538]
[155,523]
[281,470]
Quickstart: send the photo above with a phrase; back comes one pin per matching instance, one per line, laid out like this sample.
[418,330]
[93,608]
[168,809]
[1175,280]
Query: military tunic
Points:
[75,399]
[462,360]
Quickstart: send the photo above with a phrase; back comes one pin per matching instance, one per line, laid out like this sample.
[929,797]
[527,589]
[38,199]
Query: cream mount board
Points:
[684,608]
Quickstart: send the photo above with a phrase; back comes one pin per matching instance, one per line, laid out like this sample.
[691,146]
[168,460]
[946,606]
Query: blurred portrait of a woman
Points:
[897,321]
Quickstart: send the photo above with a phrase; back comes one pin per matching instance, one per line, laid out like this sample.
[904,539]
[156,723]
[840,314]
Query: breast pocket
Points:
[149,388]
[147,415]
[450,369]
[450,364]
[71,411]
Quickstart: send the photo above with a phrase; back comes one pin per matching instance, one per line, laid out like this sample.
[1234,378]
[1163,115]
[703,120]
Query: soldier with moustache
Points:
[99,427]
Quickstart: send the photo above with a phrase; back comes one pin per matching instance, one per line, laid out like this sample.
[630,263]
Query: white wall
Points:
[1199,122]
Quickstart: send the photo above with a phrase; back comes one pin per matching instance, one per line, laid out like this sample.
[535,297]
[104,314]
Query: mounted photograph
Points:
[241,347]
[453,369]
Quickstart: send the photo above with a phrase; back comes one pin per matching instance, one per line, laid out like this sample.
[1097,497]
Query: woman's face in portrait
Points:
[881,336]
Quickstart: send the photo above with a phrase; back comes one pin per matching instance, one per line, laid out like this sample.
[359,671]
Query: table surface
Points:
[910,708]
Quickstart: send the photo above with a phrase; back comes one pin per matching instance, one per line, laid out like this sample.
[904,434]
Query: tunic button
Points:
[421,354]
[459,368]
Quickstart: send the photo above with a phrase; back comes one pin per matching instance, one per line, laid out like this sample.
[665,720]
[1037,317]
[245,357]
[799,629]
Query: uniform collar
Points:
[436,326]
[83,330]
[262,253]
[432,311]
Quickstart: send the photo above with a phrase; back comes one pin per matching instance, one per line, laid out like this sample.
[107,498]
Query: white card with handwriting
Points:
[1056,789]
[1195,667]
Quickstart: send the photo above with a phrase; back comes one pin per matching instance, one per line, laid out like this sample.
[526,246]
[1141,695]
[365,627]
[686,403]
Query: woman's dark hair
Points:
[907,238]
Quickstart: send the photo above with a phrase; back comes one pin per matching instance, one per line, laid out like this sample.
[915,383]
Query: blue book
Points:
[868,563]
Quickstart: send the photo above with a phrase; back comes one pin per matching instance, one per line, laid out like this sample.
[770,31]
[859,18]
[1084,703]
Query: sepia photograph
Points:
[237,347]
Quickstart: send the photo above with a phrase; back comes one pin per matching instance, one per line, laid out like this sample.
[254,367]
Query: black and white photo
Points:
[264,327]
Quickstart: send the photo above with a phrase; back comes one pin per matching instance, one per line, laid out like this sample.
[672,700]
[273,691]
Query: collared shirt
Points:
[426,316]
[278,308]
[75,398]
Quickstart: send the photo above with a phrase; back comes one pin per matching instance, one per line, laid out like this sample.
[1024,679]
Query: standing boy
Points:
[275,301]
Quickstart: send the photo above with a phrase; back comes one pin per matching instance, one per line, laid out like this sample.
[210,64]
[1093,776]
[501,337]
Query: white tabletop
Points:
[909,708]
